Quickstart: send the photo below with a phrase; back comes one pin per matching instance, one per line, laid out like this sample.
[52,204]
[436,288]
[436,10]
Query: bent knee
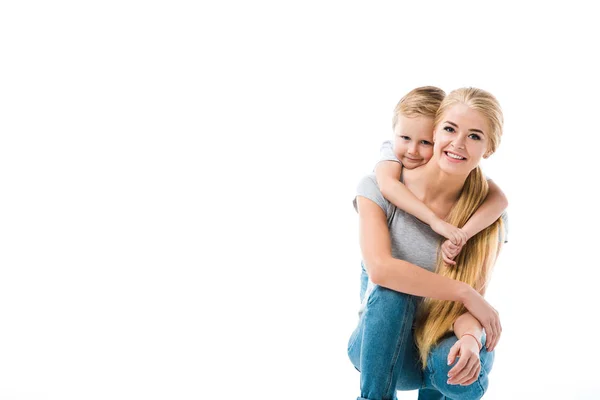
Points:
[388,297]
[439,368]
[474,391]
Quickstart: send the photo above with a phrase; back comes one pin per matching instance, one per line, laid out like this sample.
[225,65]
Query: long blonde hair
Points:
[476,259]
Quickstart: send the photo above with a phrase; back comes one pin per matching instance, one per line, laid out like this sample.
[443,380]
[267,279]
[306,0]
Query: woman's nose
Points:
[459,143]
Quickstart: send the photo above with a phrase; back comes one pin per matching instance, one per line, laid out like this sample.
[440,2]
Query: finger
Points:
[494,337]
[457,238]
[467,373]
[489,330]
[475,376]
[453,239]
[498,334]
[447,260]
[445,252]
[453,353]
[444,245]
[460,365]
[496,327]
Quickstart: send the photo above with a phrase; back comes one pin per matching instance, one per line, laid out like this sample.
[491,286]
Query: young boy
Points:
[413,147]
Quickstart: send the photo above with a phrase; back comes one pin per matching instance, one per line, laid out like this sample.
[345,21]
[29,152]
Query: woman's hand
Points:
[455,235]
[486,315]
[466,371]
[450,251]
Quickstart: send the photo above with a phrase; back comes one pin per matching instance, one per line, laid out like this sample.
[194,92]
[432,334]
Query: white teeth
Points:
[455,156]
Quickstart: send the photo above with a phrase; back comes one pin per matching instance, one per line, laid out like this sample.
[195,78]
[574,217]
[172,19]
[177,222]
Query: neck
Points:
[434,186]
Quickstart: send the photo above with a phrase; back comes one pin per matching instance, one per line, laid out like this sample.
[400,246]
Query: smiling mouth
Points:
[454,156]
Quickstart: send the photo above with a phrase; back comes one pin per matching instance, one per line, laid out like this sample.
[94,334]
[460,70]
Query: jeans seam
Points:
[479,382]
[398,347]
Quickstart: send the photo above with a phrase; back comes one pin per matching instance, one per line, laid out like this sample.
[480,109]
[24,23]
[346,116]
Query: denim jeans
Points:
[382,349]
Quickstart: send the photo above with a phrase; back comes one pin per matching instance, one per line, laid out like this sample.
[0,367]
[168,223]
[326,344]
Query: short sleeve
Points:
[386,153]
[367,187]
[504,235]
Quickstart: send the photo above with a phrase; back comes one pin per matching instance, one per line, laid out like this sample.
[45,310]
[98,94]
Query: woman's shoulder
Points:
[367,187]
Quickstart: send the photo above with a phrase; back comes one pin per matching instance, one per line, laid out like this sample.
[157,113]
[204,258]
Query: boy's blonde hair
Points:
[420,102]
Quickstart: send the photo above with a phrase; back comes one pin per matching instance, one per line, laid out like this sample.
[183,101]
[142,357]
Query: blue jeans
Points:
[382,349]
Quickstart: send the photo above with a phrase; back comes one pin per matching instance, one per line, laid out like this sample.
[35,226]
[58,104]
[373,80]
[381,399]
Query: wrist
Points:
[472,336]
[468,231]
[465,293]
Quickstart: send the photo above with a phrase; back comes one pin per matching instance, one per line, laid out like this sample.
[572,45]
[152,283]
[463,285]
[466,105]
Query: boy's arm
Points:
[388,180]
[491,209]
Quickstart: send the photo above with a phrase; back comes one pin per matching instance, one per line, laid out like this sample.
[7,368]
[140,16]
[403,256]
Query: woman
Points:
[400,255]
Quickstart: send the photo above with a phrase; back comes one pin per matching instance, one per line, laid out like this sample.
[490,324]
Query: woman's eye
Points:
[475,136]
[449,129]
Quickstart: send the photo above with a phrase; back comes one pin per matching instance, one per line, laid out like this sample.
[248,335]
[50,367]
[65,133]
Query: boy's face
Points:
[413,140]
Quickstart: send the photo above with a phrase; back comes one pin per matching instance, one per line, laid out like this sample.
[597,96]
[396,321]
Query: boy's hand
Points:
[450,232]
[450,251]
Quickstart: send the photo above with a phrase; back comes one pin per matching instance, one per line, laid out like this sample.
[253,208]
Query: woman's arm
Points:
[398,275]
[467,348]
[402,276]
[467,323]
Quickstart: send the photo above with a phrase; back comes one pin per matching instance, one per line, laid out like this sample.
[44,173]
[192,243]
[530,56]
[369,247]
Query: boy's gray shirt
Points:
[386,152]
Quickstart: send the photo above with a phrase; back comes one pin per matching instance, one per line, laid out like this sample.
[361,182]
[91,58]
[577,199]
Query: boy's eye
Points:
[405,137]
[475,136]
[449,129]
[426,143]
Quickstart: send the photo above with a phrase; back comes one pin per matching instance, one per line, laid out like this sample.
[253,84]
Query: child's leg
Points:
[382,346]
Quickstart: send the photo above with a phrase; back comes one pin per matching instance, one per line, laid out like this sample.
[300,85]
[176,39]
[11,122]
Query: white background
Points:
[176,182]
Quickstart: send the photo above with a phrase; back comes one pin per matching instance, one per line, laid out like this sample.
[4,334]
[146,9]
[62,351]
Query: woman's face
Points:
[461,139]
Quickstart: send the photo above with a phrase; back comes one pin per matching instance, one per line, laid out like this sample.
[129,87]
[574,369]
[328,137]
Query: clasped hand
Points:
[456,238]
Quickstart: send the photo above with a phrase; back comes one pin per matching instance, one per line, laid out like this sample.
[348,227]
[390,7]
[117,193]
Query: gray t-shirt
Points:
[411,239]
[386,152]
